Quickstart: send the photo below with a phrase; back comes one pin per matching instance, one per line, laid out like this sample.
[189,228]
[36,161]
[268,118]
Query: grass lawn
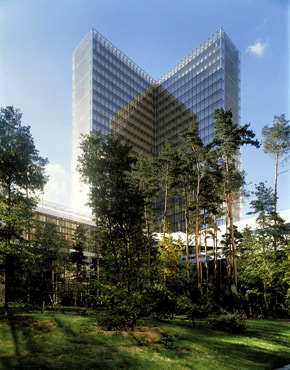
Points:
[73,341]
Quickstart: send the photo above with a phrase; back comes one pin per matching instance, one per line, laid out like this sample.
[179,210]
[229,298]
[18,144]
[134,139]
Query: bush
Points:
[120,322]
[158,302]
[230,322]
[122,310]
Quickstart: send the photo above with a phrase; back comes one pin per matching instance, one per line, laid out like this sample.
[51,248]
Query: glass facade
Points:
[111,93]
[66,221]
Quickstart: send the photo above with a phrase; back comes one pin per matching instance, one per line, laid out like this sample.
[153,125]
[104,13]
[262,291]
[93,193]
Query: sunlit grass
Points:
[73,341]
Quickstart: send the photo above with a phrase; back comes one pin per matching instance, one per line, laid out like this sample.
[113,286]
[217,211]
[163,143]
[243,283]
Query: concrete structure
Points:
[111,93]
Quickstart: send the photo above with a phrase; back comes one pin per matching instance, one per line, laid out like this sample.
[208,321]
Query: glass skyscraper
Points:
[111,93]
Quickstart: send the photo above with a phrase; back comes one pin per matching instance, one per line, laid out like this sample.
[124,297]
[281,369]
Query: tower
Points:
[111,93]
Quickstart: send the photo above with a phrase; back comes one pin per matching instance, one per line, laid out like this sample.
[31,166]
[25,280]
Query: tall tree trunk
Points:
[276,178]
[148,234]
[197,223]
[98,267]
[186,231]
[112,242]
[205,248]
[166,201]
[200,259]
[235,274]
[275,199]
[7,268]
[215,248]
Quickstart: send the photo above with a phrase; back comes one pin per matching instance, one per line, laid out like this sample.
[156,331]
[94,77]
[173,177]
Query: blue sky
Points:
[37,38]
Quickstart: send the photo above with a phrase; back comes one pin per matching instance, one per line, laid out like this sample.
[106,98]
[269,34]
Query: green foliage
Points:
[170,252]
[263,205]
[276,139]
[77,255]
[263,269]
[159,302]
[276,143]
[123,310]
[22,177]
[51,257]
[117,200]
[144,172]
[117,204]
[229,135]
[230,322]
[167,162]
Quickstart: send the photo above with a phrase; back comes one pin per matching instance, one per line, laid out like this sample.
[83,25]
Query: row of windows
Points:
[142,123]
[197,109]
[210,110]
[206,117]
[135,128]
[113,92]
[116,95]
[65,228]
[134,108]
[209,67]
[116,78]
[127,71]
[102,91]
[98,108]
[101,123]
[204,55]
[192,98]
[203,133]
[115,88]
[105,102]
[206,122]
[172,132]
[175,123]
[138,75]
[137,139]
[101,120]
[109,101]
[195,85]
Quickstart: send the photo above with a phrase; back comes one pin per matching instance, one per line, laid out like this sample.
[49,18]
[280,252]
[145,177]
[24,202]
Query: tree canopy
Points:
[22,177]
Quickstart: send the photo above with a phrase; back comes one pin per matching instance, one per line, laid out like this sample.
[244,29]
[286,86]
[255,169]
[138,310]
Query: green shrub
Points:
[230,322]
[122,310]
[120,322]
[158,302]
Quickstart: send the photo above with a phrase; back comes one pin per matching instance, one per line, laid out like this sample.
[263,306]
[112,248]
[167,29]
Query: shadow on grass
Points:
[54,343]
[20,332]
[74,342]
[245,349]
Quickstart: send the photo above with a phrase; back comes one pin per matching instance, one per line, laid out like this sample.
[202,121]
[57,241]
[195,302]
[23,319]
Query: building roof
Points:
[57,210]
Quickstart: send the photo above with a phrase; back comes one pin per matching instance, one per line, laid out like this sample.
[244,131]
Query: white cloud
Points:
[258,48]
[57,188]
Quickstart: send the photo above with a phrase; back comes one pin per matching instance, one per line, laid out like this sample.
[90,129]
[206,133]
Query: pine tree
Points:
[276,143]
[229,137]
[197,151]
[167,160]
[144,171]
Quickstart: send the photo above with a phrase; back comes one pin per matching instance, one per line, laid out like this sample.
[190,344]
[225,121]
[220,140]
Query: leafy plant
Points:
[230,322]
